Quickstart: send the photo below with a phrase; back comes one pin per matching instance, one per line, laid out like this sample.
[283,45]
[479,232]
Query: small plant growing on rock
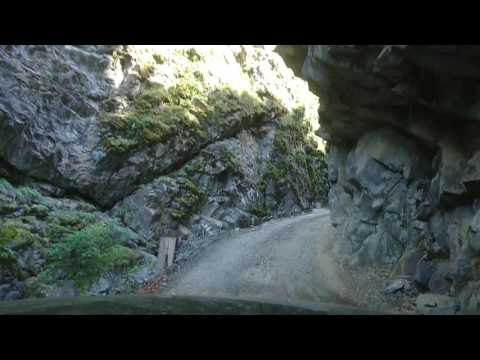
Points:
[87,254]
[146,71]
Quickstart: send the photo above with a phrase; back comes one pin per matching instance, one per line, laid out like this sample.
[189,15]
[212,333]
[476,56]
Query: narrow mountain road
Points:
[286,260]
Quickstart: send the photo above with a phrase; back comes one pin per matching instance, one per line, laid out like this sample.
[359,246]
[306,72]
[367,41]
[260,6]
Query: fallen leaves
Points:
[154,286]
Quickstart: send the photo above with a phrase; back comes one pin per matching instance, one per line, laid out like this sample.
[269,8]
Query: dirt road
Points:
[286,260]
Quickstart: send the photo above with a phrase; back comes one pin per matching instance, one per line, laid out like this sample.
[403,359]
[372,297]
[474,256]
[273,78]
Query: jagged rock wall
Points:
[160,141]
[69,90]
[402,126]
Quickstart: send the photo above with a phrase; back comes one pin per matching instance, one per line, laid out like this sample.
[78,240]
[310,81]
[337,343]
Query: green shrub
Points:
[74,218]
[258,209]
[29,194]
[7,257]
[146,71]
[88,253]
[159,59]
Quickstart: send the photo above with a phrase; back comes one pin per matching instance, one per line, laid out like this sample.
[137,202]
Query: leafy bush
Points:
[258,209]
[7,256]
[88,253]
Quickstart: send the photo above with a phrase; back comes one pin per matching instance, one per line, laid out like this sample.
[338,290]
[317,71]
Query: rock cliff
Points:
[127,145]
[402,126]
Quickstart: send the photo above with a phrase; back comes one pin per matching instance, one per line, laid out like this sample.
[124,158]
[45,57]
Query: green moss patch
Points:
[297,164]
[14,235]
[188,110]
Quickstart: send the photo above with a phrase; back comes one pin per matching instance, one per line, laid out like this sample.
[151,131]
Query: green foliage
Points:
[159,59]
[120,258]
[28,193]
[187,201]
[37,210]
[146,71]
[156,116]
[13,234]
[85,254]
[230,161]
[75,219]
[56,232]
[7,257]
[6,187]
[180,202]
[258,209]
[191,54]
[226,102]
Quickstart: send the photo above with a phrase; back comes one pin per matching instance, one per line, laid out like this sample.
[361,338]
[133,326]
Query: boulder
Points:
[380,248]
[400,286]
[424,271]
[407,265]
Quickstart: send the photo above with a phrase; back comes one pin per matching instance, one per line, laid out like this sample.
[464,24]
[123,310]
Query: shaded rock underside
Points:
[402,125]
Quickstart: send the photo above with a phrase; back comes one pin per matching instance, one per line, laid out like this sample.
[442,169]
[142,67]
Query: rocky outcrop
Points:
[34,227]
[401,122]
[158,142]
[102,120]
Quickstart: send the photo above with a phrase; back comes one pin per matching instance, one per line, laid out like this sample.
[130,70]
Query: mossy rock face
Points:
[178,205]
[28,195]
[167,117]
[39,211]
[8,196]
[8,257]
[7,205]
[297,166]
[74,218]
[194,107]
[6,188]
[13,234]
[27,240]
[183,112]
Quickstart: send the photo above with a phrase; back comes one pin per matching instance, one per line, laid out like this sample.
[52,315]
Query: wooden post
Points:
[172,242]
[166,252]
